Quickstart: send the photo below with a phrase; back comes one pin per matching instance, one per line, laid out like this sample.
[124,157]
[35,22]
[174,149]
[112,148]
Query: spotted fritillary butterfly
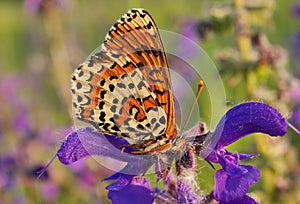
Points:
[124,88]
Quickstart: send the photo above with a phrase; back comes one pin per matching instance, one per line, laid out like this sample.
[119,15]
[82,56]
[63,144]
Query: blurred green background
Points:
[42,41]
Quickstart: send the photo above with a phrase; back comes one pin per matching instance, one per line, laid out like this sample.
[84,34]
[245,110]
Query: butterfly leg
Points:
[137,147]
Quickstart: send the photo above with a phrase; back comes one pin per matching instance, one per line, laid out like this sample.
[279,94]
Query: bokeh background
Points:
[254,44]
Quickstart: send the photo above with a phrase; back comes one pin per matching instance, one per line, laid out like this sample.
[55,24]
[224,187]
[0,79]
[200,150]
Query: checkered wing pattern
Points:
[124,89]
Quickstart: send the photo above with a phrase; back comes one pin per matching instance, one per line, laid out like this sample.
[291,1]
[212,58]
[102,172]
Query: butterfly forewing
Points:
[124,89]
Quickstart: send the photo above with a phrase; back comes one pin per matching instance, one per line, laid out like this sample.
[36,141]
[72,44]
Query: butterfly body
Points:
[124,89]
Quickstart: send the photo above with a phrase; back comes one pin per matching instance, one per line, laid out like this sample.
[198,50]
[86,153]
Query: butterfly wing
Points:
[124,89]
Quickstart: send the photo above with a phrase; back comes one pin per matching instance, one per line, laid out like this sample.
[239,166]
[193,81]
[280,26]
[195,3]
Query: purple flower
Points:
[295,90]
[36,6]
[17,108]
[21,123]
[33,5]
[233,180]
[50,191]
[296,10]
[14,108]
[87,142]
[296,116]
[7,171]
[187,49]
[137,190]
[243,200]
[126,188]
[296,45]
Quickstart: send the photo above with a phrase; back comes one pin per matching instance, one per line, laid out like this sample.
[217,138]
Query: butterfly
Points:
[124,89]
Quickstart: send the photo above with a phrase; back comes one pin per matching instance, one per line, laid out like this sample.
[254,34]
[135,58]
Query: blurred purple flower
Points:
[10,85]
[33,5]
[296,45]
[296,116]
[84,174]
[295,96]
[7,171]
[185,52]
[36,6]
[50,191]
[233,180]
[186,49]
[296,10]
[21,123]
[13,105]
[48,188]
[295,92]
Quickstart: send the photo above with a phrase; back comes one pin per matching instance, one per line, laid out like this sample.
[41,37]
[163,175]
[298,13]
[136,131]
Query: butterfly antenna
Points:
[200,87]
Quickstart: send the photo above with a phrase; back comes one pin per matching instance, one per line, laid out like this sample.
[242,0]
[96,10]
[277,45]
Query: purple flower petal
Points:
[212,155]
[73,150]
[122,181]
[231,167]
[229,188]
[138,191]
[141,182]
[296,116]
[244,200]
[297,9]
[252,175]
[86,142]
[242,156]
[248,118]
[234,176]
